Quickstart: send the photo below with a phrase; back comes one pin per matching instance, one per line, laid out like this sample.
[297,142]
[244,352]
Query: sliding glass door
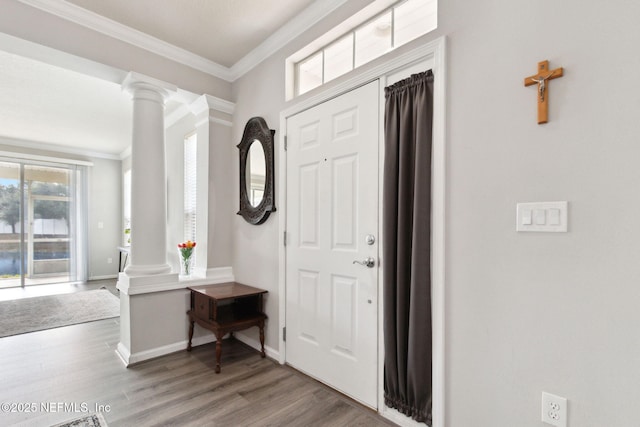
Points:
[39,206]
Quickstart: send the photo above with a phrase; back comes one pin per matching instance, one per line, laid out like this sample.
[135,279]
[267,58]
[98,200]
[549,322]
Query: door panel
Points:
[332,205]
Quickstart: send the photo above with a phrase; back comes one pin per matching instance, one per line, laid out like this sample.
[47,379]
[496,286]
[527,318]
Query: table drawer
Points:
[202,306]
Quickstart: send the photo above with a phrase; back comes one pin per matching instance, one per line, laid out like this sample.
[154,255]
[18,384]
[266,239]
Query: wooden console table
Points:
[226,308]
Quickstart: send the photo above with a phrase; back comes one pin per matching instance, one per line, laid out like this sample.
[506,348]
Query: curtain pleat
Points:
[407,246]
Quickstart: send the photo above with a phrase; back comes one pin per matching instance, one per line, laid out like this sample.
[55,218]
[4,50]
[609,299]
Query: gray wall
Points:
[105,206]
[525,313]
[533,312]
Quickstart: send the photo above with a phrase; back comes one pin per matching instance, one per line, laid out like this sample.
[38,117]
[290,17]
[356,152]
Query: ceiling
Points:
[73,112]
[41,103]
[223,31]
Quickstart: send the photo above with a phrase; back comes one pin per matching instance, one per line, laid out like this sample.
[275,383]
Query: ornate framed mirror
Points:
[257,189]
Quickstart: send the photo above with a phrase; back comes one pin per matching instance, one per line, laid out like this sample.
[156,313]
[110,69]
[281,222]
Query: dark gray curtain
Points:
[407,246]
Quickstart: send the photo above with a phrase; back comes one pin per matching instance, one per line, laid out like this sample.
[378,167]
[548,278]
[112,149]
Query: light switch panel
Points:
[549,217]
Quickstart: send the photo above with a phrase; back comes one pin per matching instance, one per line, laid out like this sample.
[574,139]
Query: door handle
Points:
[367,262]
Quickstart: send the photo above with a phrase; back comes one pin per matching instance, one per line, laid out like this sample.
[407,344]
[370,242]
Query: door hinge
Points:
[284,333]
[285,143]
[284,238]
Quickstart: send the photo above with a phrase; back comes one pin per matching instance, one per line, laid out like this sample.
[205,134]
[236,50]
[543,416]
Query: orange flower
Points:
[188,244]
[186,249]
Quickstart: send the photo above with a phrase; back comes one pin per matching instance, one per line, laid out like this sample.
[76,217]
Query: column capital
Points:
[210,109]
[141,86]
[208,102]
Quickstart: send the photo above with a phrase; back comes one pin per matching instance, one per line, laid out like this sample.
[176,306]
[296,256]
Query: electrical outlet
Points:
[109,260]
[554,410]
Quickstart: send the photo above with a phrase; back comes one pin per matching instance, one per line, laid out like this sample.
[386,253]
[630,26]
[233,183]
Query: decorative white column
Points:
[214,170]
[148,271]
[148,254]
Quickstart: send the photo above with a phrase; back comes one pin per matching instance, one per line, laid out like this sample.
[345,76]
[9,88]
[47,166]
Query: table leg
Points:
[218,351]
[262,353]
[190,335]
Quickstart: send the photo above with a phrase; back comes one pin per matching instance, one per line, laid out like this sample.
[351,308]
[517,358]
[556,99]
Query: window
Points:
[43,226]
[310,73]
[373,39]
[370,38]
[338,58]
[190,156]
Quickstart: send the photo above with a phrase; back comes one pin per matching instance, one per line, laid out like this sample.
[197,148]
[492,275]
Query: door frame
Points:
[434,52]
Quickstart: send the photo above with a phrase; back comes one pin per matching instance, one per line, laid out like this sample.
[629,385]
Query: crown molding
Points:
[114,29]
[125,153]
[58,58]
[289,31]
[209,102]
[55,148]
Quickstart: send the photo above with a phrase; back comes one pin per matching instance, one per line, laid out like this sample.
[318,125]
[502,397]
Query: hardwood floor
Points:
[75,369]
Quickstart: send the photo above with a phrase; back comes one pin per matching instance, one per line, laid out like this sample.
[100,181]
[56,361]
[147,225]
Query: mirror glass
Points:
[256,173]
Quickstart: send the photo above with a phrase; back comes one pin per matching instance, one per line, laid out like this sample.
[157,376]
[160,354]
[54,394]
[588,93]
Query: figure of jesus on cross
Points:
[541,80]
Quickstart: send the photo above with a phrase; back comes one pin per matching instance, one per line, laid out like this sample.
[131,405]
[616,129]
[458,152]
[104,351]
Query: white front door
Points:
[332,221]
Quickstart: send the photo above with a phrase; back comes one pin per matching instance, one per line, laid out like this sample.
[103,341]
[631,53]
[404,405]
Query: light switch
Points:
[554,216]
[542,216]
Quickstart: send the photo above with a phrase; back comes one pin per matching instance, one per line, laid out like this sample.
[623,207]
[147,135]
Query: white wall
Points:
[524,312]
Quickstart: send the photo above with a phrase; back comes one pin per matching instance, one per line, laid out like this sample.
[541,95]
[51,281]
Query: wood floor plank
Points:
[77,365]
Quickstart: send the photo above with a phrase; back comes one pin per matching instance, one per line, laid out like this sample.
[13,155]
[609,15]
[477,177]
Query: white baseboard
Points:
[123,353]
[107,276]
[130,359]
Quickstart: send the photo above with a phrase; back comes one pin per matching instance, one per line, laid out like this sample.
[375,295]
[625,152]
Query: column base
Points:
[147,270]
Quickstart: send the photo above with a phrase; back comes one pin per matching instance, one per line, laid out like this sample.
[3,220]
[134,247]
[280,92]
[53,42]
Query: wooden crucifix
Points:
[540,79]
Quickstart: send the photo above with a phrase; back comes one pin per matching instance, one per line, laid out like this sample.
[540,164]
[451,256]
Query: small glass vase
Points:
[186,265]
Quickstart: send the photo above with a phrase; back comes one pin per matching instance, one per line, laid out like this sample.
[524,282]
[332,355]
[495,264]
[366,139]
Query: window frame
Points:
[295,61]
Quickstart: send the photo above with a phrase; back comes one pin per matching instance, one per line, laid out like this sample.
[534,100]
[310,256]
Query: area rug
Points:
[39,313]
[92,420]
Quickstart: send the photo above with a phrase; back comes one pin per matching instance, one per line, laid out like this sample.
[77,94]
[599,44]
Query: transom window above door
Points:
[367,36]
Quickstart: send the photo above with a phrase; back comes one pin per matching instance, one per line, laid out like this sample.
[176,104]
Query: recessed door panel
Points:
[345,123]
[308,206]
[345,202]
[344,316]
[307,301]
